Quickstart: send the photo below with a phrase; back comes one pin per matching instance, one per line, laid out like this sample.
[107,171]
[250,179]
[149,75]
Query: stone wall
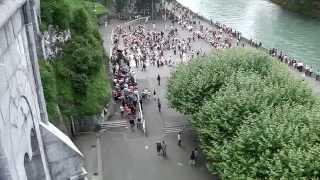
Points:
[19,105]
[28,150]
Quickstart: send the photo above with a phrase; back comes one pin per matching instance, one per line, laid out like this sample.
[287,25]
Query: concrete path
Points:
[129,155]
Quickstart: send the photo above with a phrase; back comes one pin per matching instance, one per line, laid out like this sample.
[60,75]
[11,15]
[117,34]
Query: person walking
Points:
[140,101]
[196,155]
[139,124]
[164,149]
[137,62]
[122,111]
[179,139]
[132,124]
[154,94]
[158,145]
[159,105]
[159,79]
[192,158]
[143,67]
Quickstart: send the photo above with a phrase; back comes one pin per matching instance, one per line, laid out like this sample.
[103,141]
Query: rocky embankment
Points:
[306,7]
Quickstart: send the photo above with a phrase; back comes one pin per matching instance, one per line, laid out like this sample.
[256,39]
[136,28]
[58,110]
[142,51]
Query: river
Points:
[267,22]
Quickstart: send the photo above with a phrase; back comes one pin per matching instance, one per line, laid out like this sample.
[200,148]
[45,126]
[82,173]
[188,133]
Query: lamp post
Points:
[94,7]
[152,9]
[165,11]
[165,14]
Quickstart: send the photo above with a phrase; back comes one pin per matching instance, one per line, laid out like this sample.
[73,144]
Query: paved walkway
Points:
[129,155]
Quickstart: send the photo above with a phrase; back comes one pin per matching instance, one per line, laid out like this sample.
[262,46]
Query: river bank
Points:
[300,72]
[308,8]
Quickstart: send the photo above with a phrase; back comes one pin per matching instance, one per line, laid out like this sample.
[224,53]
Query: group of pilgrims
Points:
[144,45]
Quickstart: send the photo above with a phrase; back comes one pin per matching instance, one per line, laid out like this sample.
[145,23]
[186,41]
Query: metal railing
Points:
[140,20]
[143,121]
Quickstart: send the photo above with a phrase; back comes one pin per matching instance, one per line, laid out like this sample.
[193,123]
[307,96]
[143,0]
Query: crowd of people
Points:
[144,46]
[125,87]
[290,61]
[218,35]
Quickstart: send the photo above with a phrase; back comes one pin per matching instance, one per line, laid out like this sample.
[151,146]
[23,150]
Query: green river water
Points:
[267,22]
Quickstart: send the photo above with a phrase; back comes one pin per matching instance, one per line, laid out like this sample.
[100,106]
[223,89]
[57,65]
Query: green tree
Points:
[239,101]
[57,13]
[83,56]
[80,22]
[80,84]
[244,97]
[281,143]
[204,77]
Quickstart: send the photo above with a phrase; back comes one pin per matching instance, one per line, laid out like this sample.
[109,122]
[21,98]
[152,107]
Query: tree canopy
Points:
[253,119]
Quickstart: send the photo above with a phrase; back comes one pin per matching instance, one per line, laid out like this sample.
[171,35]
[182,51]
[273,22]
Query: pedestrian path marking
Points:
[146,147]
[114,124]
[180,164]
[175,127]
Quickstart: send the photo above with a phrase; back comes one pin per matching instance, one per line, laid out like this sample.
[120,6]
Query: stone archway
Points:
[28,166]
[33,163]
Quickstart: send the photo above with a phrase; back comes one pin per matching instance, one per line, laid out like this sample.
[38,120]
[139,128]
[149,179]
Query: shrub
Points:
[50,90]
[80,22]
[57,13]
